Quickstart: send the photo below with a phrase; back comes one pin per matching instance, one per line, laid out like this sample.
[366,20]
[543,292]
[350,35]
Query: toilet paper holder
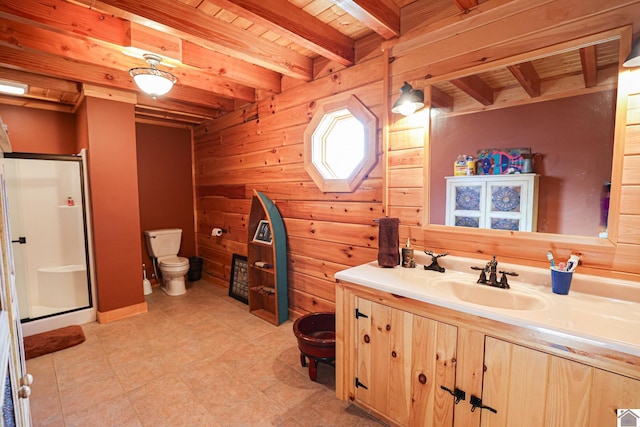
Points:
[216,232]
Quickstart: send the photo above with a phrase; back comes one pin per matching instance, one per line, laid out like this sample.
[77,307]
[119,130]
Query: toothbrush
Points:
[550,258]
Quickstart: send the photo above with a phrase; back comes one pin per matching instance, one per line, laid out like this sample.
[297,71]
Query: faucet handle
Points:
[503,279]
[483,274]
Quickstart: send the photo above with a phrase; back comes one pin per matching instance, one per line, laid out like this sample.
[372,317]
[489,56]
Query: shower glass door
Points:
[49,236]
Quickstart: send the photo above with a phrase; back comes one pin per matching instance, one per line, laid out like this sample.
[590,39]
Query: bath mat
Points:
[48,342]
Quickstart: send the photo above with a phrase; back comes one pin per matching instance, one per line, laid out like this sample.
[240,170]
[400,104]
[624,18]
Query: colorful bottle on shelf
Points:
[70,201]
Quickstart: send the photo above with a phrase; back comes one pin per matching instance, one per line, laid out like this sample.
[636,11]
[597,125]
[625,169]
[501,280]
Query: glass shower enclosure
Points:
[48,219]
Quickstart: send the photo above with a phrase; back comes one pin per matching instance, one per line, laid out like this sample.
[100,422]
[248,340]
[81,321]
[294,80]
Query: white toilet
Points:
[164,246]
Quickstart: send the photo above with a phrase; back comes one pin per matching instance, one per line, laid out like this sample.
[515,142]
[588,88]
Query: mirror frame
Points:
[601,245]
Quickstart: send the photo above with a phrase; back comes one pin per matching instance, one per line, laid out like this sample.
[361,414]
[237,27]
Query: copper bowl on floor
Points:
[316,335]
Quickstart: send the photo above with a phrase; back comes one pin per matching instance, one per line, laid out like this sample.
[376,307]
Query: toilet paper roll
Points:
[216,232]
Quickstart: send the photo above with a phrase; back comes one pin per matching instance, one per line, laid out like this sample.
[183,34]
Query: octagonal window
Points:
[340,146]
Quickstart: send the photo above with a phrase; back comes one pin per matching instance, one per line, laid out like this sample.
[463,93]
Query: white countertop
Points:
[600,320]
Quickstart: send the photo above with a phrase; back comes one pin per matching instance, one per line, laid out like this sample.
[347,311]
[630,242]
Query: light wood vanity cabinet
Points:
[539,389]
[400,358]
[395,354]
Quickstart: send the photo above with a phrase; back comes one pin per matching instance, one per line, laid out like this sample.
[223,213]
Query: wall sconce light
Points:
[150,80]
[633,60]
[410,101]
[13,88]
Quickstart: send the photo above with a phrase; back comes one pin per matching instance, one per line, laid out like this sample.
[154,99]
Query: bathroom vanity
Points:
[422,348]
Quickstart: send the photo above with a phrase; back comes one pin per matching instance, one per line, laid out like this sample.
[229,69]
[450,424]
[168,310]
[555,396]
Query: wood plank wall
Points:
[260,147]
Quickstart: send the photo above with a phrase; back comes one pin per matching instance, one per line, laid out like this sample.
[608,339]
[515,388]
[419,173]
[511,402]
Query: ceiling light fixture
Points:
[13,88]
[410,101]
[633,60]
[151,80]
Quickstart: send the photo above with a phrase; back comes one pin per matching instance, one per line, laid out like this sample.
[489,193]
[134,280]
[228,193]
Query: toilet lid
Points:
[174,261]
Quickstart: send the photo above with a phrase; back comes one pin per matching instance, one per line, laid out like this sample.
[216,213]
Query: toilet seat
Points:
[173,261]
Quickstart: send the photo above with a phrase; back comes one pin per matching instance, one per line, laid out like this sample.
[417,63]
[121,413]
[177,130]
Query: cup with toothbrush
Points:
[562,274]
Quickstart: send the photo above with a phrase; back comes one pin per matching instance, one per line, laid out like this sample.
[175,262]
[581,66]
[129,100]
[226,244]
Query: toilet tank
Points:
[165,242]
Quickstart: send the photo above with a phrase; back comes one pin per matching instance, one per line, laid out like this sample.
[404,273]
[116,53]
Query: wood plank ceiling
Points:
[223,52]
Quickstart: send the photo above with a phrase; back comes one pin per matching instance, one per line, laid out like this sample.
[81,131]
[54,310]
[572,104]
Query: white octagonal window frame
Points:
[340,145]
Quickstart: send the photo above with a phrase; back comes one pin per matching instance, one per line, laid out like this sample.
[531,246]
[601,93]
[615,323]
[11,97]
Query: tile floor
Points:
[196,360]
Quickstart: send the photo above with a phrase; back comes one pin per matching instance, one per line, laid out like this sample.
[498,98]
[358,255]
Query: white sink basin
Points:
[488,296]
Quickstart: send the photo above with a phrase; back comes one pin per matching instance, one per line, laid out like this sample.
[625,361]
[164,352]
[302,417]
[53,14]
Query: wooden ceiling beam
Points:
[476,88]
[185,21]
[66,18]
[382,16]
[465,5]
[176,107]
[526,74]
[20,101]
[22,36]
[144,39]
[231,68]
[440,99]
[589,62]
[291,22]
[90,73]
[38,80]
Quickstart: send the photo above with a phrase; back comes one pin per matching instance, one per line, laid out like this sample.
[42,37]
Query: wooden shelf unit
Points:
[268,286]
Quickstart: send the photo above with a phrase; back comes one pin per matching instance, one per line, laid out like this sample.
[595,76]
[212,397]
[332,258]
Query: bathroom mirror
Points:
[559,103]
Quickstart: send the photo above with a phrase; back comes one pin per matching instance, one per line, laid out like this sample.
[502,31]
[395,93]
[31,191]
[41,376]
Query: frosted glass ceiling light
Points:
[151,80]
[13,88]
[410,101]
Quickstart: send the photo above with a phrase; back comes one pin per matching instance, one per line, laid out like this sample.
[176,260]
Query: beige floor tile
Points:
[88,390]
[113,412]
[259,411]
[200,359]
[138,372]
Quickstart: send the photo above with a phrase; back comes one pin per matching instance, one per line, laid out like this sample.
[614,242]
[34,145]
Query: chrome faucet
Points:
[492,268]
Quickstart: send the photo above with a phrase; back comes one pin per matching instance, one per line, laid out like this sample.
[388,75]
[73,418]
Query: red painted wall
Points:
[40,131]
[575,136]
[165,184]
[113,179]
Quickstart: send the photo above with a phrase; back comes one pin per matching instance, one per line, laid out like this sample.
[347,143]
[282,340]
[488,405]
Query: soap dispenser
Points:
[407,255]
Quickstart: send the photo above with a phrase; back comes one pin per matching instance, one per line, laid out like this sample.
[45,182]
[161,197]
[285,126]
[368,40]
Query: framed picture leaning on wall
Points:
[263,233]
[238,282]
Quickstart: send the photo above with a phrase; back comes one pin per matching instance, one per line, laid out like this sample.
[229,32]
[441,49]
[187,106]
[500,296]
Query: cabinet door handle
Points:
[457,393]
[26,380]
[24,392]
[476,402]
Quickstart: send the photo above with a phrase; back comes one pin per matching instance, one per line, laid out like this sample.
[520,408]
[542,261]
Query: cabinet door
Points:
[465,204]
[508,205]
[402,359]
[531,388]
[609,393]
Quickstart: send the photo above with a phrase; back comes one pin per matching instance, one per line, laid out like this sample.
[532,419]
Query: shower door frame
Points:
[85,313]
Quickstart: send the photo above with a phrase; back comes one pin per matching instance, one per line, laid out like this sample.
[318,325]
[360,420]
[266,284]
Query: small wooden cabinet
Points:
[499,202]
[396,356]
[267,261]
